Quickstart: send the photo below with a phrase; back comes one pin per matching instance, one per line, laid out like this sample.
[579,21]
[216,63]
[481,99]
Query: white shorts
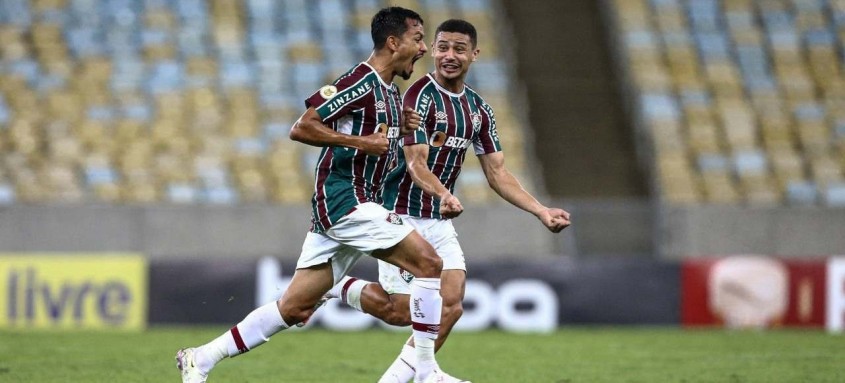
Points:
[368,228]
[442,236]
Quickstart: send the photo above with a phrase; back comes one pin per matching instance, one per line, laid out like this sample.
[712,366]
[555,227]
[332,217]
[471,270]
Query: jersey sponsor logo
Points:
[328,91]
[394,219]
[437,139]
[422,107]
[381,106]
[391,132]
[347,96]
[441,117]
[456,142]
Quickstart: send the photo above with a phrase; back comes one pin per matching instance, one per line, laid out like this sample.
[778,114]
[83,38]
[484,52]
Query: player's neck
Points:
[382,63]
[455,85]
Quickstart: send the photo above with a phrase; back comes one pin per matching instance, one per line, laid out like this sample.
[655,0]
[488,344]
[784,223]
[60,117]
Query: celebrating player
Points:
[357,121]
[453,119]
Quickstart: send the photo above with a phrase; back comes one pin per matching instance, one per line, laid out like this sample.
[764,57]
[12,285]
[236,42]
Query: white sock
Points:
[349,291]
[403,368]
[426,307]
[254,330]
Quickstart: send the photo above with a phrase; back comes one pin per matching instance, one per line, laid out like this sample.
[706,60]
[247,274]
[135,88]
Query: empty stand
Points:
[191,101]
[755,88]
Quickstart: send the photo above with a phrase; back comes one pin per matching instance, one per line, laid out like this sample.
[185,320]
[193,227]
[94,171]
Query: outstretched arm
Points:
[309,129]
[416,157]
[508,187]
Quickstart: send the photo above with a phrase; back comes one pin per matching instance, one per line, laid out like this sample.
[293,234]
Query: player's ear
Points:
[475,54]
[392,43]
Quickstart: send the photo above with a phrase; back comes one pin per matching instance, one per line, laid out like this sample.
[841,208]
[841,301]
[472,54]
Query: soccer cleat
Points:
[438,376]
[185,363]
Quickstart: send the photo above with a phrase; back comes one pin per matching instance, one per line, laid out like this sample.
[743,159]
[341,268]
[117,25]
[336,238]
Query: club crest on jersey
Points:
[476,120]
[406,275]
[394,219]
[328,91]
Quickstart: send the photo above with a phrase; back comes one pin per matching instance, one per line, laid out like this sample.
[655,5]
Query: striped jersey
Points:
[358,103]
[451,123]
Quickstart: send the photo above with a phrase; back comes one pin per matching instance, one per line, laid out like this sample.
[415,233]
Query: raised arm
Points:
[309,129]
[508,187]
[416,158]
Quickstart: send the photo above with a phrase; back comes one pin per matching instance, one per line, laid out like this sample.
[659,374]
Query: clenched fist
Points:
[555,219]
[410,121]
[375,144]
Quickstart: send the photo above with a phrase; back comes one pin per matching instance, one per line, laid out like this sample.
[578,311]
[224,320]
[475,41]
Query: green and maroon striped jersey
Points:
[358,103]
[451,123]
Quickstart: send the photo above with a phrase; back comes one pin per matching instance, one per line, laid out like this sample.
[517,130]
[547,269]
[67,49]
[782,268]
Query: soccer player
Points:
[454,118]
[357,120]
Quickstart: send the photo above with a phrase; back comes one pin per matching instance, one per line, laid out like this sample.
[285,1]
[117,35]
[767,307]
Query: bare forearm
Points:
[308,132]
[427,181]
[509,188]
[416,157]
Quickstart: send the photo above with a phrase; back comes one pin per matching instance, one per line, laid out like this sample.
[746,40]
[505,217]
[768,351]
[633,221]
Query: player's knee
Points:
[430,265]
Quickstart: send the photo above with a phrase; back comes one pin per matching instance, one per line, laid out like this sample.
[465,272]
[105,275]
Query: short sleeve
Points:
[422,103]
[487,139]
[338,99]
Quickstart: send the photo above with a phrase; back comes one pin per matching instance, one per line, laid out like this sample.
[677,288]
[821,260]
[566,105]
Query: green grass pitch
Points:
[570,355]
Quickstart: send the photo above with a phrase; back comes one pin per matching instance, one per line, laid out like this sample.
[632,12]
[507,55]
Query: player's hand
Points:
[450,206]
[555,219]
[410,121]
[375,144]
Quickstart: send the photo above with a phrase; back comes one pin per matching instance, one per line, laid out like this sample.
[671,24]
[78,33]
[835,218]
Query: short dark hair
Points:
[459,26]
[390,21]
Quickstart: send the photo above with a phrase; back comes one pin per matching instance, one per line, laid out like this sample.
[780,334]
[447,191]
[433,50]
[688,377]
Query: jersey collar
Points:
[444,90]
[381,80]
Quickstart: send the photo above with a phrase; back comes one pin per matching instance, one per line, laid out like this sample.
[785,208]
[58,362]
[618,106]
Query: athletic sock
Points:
[402,369]
[426,306]
[349,291]
[254,330]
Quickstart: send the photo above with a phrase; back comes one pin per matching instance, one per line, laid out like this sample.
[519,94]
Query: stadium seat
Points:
[190,101]
[756,87]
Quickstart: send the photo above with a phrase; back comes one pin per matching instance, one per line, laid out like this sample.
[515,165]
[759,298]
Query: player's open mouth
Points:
[414,61]
[450,67]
